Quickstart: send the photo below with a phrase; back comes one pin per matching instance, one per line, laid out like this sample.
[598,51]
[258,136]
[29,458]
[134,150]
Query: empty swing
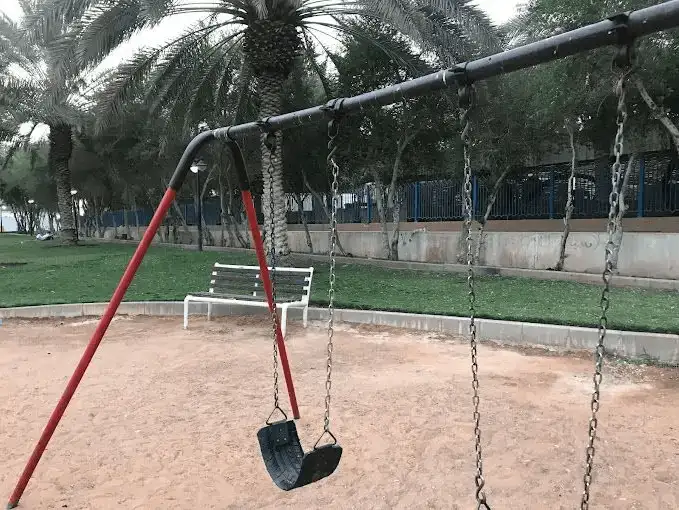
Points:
[289,466]
[623,61]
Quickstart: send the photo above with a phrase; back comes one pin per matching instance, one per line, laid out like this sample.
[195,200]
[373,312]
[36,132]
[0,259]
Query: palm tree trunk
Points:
[61,146]
[269,86]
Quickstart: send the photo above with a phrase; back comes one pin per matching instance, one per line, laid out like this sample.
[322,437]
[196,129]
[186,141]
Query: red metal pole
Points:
[266,281]
[87,356]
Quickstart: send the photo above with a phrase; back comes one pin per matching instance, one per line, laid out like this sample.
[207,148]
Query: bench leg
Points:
[186,313]
[284,319]
[209,311]
[305,315]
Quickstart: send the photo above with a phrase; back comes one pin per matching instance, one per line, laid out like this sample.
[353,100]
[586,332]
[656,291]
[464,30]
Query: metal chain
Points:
[333,131]
[270,143]
[466,105]
[608,269]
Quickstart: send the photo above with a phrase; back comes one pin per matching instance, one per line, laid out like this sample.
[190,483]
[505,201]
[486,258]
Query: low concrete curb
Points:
[538,274]
[655,347]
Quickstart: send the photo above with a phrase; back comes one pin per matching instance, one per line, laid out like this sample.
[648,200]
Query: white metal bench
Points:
[232,284]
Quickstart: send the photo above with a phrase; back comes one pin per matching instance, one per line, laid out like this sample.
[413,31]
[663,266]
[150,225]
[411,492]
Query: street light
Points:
[74,192]
[198,167]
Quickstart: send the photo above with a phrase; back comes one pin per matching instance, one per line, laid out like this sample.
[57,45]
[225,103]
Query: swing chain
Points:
[333,131]
[466,102]
[270,144]
[613,198]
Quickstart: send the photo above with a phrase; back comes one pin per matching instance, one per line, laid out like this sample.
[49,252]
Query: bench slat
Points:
[241,297]
[295,289]
[282,277]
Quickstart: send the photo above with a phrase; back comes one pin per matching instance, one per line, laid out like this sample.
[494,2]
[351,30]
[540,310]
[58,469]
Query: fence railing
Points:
[539,193]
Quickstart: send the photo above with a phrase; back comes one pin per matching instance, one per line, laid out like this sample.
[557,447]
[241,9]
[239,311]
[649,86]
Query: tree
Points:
[577,93]
[27,188]
[37,87]
[402,141]
[271,35]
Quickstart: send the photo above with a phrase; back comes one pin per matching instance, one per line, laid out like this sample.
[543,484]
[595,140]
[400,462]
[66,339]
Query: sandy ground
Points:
[168,419]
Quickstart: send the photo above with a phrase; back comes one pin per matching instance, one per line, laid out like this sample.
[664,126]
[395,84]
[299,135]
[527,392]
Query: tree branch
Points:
[658,112]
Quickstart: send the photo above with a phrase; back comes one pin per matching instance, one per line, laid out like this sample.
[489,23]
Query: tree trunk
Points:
[393,197]
[223,213]
[622,210]
[569,203]
[300,209]
[489,209]
[319,200]
[270,86]
[207,233]
[659,113]
[61,147]
[136,218]
[382,213]
[126,223]
[97,218]
[50,218]
[177,210]
[395,226]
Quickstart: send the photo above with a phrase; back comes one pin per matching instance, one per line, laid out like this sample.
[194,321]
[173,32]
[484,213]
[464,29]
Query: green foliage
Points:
[580,89]
[27,177]
[422,126]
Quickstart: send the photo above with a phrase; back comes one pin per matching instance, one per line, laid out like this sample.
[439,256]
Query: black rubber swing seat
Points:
[285,460]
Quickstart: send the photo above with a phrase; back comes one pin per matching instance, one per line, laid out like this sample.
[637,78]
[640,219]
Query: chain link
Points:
[466,105]
[608,269]
[334,168]
[270,143]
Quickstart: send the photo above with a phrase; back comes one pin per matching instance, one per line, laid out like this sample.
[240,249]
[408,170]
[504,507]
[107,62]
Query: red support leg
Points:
[266,280]
[91,347]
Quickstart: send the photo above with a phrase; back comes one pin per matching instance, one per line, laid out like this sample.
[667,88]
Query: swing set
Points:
[287,463]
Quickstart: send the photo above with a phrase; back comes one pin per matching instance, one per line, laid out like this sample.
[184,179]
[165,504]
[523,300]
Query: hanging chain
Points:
[333,131]
[466,97]
[624,55]
[270,143]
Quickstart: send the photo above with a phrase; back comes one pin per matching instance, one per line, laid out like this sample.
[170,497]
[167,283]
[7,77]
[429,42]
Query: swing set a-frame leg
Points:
[136,260]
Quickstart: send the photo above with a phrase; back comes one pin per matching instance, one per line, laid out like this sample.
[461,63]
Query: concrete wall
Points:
[643,254]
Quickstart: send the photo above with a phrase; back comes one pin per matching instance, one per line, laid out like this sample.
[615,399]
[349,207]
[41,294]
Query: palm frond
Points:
[143,69]
[103,27]
[176,68]
[219,67]
[310,55]
[123,84]
[18,142]
[14,47]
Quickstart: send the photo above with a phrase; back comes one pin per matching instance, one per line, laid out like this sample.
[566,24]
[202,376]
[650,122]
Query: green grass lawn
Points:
[50,273]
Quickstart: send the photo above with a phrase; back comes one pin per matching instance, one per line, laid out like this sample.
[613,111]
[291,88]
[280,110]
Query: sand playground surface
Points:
[167,418]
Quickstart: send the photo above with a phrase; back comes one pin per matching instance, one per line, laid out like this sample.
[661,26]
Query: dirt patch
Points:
[168,418]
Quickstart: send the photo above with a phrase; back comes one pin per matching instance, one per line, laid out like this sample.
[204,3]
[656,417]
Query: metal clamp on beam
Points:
[465,86]
[270,138]
[624,56]
[333,109]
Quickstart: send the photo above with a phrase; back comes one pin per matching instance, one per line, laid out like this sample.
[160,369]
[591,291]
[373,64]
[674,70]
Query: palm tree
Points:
[272,35]
[38,87]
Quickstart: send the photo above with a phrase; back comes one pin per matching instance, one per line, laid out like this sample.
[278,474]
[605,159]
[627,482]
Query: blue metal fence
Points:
[540,192]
